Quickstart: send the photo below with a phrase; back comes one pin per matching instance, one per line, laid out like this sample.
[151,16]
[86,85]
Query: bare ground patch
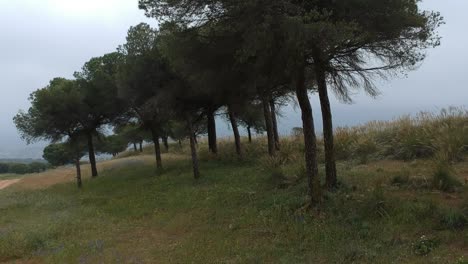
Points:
[6,183]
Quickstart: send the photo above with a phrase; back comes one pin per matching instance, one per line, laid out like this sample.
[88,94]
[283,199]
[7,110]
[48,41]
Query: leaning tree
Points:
[143,80]
[346,43]
[101,104]
[54,116]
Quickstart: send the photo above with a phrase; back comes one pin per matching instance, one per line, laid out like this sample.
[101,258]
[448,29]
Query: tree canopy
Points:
[238,57]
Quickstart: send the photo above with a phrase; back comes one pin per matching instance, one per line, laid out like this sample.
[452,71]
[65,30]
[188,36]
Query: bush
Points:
[37,167]
[4,168]
[401,178]
[377,205]
[278,179]
[443,177]
[453,219]
[424,246]
[19,168]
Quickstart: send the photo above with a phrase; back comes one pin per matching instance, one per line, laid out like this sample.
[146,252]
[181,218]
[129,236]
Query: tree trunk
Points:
[212,138]
[193,150]
[235,130]
[310,140]
[269,126]
[180,143]
[135,148]
[141,146]
[78,172]
[275,124]
[330,162]
[92,156]
[249,132]
[157,148]
[166,143]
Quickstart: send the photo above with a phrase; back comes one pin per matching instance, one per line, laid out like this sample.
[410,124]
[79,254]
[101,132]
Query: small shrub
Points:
[281,180]
[424,246]
[453,219]
[278,179]
[424,210]
[400,179]
[377,204]
[363,148]
[354,255]
[443,178]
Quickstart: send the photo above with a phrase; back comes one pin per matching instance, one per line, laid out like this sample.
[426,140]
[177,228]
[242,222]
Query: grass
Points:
[8,176]
[401,200]
[234,214]
[407,138]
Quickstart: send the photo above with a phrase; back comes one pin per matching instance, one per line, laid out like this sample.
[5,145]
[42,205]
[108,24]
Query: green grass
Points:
[234,214]
[8,176]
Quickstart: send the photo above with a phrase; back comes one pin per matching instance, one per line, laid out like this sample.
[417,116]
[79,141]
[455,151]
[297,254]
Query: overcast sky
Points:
[44,39]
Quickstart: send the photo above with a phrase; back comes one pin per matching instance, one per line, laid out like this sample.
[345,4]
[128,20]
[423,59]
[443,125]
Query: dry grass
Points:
[441,135]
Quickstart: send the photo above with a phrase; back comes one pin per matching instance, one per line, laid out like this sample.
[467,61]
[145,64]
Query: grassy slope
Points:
[234,214]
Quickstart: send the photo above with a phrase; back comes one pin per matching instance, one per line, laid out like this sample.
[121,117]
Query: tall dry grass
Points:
[442,135]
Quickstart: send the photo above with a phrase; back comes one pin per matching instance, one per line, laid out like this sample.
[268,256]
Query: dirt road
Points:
[6,183]
[67,174]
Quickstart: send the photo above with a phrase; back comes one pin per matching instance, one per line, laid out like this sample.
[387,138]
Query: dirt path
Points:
[67,173]
[6,183]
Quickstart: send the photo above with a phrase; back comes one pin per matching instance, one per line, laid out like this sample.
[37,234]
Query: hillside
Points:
[238,212]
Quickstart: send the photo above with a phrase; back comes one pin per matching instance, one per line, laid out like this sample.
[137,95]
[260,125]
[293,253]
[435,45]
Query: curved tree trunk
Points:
[235,130]
[249,132]
[330,162]
[269,126]
[92,156]
[157,148]
[78,172]
[275,124]
[212,138]
[135,148]
[309,139]
[141,146]
[193,150]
